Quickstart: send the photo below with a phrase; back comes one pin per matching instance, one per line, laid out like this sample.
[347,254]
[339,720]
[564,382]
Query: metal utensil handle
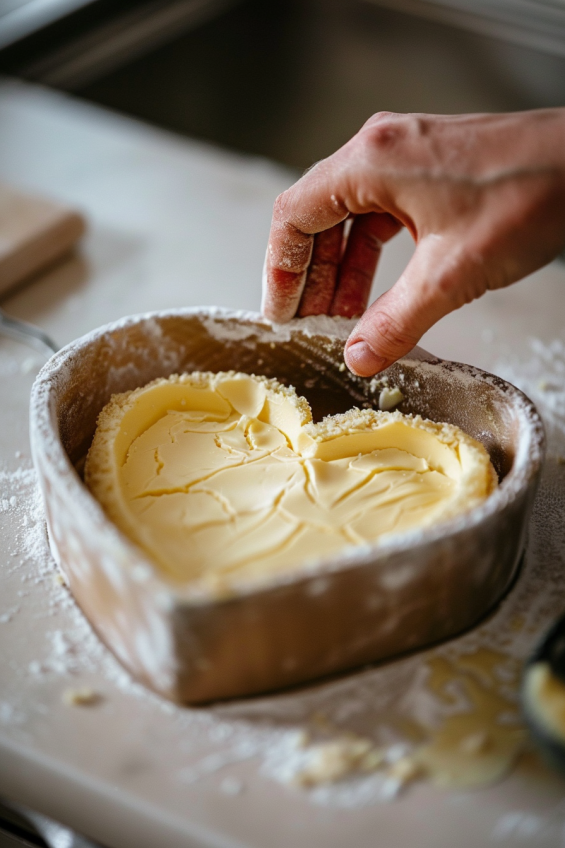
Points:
[21,826]
[26,333]
[56,835]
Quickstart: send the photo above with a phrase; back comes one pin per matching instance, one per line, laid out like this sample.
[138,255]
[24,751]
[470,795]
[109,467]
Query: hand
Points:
[482,195]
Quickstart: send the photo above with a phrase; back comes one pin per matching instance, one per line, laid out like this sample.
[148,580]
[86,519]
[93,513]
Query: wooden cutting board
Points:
[34,233]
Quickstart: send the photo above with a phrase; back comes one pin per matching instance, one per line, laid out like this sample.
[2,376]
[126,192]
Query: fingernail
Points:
[362,360]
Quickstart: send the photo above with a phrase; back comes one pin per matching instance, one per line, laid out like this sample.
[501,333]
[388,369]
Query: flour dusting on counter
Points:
[76,649]
[336,743]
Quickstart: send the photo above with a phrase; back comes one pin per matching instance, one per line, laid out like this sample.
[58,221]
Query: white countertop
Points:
[174,222]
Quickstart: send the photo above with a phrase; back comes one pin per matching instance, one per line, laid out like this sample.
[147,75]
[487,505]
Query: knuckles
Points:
[381,118]
[383,132]
[388,132]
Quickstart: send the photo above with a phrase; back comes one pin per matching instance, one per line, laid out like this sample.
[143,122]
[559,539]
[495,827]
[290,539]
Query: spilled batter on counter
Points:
[225,476]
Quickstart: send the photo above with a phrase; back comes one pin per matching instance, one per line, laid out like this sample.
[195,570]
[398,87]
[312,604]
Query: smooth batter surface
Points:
[225,475]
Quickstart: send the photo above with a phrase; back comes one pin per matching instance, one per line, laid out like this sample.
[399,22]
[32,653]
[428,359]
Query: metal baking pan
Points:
[371,603]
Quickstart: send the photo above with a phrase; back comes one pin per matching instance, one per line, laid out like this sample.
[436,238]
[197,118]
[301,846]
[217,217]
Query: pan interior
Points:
[131,355]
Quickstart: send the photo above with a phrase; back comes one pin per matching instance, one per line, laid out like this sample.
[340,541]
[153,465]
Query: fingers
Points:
[438,279]
[322,274]
[309,207]
[281,293]
[283,286]
[367,235]
[360,178]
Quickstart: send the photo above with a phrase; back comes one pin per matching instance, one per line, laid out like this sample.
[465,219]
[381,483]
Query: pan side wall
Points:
[343,617]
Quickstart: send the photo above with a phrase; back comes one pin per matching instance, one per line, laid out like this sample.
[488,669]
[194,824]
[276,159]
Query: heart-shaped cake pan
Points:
[369,603]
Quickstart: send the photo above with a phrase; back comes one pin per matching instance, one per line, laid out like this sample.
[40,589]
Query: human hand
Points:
[482,195]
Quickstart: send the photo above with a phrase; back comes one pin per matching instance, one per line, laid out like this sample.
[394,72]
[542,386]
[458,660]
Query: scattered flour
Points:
[282,737]
[77,649]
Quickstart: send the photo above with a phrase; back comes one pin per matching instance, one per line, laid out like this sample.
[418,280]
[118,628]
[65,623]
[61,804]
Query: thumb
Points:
[440,277]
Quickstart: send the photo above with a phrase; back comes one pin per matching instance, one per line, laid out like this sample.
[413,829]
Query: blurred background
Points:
[288,79]
[173,225]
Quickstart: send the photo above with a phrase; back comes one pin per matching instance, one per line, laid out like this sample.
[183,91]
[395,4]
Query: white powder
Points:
[77,650]
[263,732]
[363,702]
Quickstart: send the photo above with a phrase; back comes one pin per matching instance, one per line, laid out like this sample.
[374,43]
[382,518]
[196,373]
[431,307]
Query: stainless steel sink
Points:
[293,79]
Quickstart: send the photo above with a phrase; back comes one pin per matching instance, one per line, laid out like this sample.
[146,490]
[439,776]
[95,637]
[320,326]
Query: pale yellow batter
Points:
[223,476]
[544,695]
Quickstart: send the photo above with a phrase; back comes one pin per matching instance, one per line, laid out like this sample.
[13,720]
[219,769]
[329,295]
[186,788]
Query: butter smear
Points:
[221,477]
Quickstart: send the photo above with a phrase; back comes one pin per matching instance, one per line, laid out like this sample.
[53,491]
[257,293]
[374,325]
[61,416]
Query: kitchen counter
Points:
[178,223]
